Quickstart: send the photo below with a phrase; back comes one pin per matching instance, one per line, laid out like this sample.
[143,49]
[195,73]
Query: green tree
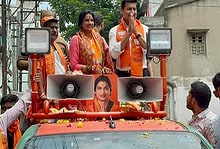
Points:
[68,12]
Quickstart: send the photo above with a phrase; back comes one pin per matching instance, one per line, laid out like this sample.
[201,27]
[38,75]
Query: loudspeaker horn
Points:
[70,86]
[148,89]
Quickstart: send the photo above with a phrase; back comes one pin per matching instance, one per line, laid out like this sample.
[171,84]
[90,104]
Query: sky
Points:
[154,5]
[44,5]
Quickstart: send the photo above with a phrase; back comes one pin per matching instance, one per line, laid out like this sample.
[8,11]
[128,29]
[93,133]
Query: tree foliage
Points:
[68,12]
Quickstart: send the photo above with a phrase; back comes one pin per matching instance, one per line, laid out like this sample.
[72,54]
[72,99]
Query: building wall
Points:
[202,14]
[183,68]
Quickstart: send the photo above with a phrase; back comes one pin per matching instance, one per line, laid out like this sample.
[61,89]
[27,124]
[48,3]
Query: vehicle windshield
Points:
[114,140]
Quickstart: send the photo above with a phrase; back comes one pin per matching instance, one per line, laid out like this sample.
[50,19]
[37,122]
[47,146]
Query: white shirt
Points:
[59,68]
[205,122]
[115,47]
[7,118]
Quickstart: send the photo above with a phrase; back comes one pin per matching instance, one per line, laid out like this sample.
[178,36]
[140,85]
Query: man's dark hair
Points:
[103,78]
[216,81]
[9,98]
[98,19]
[123,2]
[82,16]
[202,93]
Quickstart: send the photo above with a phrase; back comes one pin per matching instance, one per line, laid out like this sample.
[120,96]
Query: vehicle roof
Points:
[155,126]
[100,126]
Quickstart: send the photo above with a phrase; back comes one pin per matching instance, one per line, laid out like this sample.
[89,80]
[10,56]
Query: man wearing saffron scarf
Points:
[13,131]
[127,42]
[53,63]
[60,40]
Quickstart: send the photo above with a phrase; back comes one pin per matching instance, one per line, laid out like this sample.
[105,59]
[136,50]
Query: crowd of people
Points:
[89,53]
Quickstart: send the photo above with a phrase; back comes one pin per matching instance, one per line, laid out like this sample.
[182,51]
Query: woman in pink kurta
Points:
[88,52]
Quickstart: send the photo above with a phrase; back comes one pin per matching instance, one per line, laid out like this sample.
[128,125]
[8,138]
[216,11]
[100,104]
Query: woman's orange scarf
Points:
[15,128]
[92,52]
[133,58]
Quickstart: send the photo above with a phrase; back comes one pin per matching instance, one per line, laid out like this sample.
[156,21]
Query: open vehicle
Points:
[55,126]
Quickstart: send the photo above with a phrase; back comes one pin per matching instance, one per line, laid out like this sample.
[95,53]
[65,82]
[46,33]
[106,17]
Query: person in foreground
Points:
[127,42]
[13,131]
[102,102]
[88,51]
[216,84]
[203,119]
[9,116]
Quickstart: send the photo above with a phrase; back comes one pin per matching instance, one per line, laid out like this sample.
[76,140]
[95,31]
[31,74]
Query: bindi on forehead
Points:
[89,16]
[102,84]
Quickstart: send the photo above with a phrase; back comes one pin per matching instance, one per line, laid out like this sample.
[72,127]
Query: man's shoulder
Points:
[114,28]
[208,117]
[212,116]
[60,39]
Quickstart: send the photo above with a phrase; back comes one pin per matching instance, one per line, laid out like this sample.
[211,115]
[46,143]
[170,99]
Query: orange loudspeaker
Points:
[70,86]
[147,89]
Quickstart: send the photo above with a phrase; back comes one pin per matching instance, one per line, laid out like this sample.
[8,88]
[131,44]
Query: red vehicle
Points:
[54,125]
[129,134]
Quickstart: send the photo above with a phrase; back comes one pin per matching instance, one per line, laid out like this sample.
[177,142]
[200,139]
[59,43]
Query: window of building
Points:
[197,40]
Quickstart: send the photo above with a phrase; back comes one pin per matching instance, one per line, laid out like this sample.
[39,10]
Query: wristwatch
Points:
[138,36]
